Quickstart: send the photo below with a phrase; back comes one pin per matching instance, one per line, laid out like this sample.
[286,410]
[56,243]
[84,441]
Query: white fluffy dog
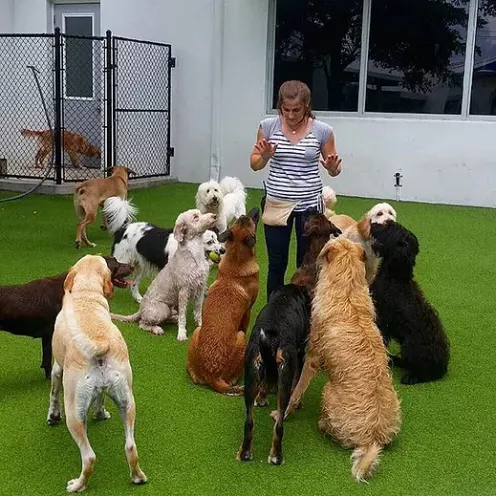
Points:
[226,199]
[183,278]
[145,246]
[330,200]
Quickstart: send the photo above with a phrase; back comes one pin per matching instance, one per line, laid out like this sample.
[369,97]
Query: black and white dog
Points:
[146,246]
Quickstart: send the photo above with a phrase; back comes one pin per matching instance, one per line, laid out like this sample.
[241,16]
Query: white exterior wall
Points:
[188,26]
[442,160]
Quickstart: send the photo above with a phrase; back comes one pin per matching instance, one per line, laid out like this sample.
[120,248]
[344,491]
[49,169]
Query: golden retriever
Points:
[91,358]
[217,349]
[360,408]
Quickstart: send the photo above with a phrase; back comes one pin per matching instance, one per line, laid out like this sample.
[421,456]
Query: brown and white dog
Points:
[91,358]
[217,349]
[359,232]
[91,194]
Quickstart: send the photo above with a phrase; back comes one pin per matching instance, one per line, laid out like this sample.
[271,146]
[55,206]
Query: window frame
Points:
[362,80]
[64,17]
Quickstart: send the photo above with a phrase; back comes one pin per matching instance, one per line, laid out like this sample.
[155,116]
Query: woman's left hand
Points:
[332,163]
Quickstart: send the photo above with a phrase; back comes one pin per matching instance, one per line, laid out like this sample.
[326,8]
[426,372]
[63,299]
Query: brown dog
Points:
[360,408]
[91,358]
[74,144]
[217,349]
[91,194]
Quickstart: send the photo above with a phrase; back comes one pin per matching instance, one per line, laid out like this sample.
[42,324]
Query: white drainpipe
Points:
[217,78]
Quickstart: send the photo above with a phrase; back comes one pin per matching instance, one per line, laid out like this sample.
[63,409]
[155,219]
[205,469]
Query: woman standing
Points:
[293,143]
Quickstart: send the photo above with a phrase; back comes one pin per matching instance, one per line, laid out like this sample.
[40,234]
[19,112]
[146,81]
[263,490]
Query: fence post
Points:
[58,107]
[109,103]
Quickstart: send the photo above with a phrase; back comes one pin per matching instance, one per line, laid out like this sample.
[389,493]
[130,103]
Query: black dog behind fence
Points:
[108,101]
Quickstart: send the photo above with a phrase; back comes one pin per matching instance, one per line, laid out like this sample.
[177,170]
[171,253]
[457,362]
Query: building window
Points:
[319,42]
[483,91]
[416,56]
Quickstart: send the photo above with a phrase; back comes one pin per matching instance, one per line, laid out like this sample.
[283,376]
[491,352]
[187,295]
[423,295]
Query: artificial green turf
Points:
[188,436]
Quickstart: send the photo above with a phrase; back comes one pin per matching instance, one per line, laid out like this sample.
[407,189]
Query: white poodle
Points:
[183,278]
[226,199]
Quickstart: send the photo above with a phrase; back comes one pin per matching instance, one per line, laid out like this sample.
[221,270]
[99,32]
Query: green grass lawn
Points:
[188,435]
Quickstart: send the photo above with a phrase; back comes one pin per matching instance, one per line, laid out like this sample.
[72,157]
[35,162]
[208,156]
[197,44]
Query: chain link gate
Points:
[108,101]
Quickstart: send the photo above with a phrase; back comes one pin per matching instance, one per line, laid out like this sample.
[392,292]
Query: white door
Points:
[82,61]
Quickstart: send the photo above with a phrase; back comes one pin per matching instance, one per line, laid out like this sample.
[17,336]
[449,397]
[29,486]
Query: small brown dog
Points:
[91,194]
[91,358]
[360,408]
[217,349]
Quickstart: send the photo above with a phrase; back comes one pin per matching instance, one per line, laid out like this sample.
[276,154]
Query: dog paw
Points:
[181,336]
[101,415]
[275,459]
[157,330]
[261,402]
[53,418]
[76,486]
[139,478]
[93,245]
[409,379]
[244,456]
[77,245]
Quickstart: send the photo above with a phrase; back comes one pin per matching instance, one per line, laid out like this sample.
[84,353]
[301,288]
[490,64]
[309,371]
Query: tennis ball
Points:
[215,257]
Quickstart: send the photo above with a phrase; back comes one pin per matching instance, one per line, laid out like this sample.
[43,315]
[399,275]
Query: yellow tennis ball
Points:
[215,257]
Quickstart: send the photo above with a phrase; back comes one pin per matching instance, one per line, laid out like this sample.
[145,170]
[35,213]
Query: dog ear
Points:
[130,172]
[180,230]
[225,236]
[69,281]
[363,227]
[108,287]
[250,241]
[254,215]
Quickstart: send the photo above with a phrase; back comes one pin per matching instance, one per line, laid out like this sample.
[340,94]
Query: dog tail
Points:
[118,212]
[231,185]
[31,132]
[329,196]
[127,318]
[90,348]
[365,460]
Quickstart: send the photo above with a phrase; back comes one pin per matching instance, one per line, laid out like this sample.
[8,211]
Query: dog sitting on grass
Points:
[403,313]
[276,350]
[360,408]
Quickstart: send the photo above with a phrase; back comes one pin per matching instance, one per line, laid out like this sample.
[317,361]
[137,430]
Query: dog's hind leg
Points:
[121,394]
[310,368]
[154,314]
[78,396]
[286,367]
[253,365]
[53,416]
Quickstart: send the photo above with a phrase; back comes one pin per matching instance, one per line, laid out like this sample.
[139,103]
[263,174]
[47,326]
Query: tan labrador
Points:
[90,194]
[91,358]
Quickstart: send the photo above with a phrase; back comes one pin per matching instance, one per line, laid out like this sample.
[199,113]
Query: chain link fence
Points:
[107,103]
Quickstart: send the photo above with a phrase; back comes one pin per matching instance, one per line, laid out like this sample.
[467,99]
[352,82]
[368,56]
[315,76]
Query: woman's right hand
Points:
[266,149]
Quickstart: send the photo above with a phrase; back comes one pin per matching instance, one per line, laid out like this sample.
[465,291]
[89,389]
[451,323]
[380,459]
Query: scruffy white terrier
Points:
[183,278]
[226,199]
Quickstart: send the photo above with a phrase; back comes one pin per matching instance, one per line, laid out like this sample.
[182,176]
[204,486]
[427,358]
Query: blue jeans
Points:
[277,240]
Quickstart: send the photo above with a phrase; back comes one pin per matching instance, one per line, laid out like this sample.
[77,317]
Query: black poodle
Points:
[403,313]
